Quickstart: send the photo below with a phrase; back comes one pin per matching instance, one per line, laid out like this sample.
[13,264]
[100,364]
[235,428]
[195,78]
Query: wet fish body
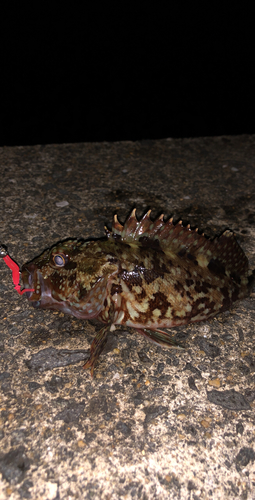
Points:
[146,275]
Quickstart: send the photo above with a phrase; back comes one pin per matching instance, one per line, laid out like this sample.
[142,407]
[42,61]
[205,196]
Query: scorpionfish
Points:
[143,274]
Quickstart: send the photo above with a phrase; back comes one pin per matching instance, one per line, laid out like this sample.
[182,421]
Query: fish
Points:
[147,275]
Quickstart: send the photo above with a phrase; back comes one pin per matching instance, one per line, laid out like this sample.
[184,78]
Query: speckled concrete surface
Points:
[153,423]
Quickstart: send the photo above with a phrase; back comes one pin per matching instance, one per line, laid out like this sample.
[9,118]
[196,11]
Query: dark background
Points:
[125,72]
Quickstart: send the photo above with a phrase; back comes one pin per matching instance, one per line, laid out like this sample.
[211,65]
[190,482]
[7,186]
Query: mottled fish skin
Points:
[147,275]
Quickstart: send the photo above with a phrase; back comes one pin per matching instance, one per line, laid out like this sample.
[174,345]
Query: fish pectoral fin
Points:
[96,348]
[159,337]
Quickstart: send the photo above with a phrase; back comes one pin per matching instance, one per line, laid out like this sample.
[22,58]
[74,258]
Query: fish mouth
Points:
[41,297]
[30,285]
[32,278]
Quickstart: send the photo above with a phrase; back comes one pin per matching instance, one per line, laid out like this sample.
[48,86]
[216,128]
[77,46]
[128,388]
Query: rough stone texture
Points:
[153,423]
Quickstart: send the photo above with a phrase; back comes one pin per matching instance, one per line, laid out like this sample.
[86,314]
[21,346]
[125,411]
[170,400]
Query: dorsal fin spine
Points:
[117,228]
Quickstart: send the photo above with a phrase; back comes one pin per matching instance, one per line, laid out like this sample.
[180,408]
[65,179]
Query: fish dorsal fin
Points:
[145,232]
[221,254]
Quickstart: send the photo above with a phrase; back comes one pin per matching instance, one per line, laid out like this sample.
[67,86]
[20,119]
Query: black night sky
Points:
[125,72]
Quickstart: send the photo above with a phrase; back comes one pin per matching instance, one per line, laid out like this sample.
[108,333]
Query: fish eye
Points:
[59,260]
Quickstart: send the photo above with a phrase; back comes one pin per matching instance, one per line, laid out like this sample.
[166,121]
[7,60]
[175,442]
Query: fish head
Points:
[52,275]
[70,277]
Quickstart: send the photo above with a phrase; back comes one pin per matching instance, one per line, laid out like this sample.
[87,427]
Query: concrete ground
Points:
[153,423]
